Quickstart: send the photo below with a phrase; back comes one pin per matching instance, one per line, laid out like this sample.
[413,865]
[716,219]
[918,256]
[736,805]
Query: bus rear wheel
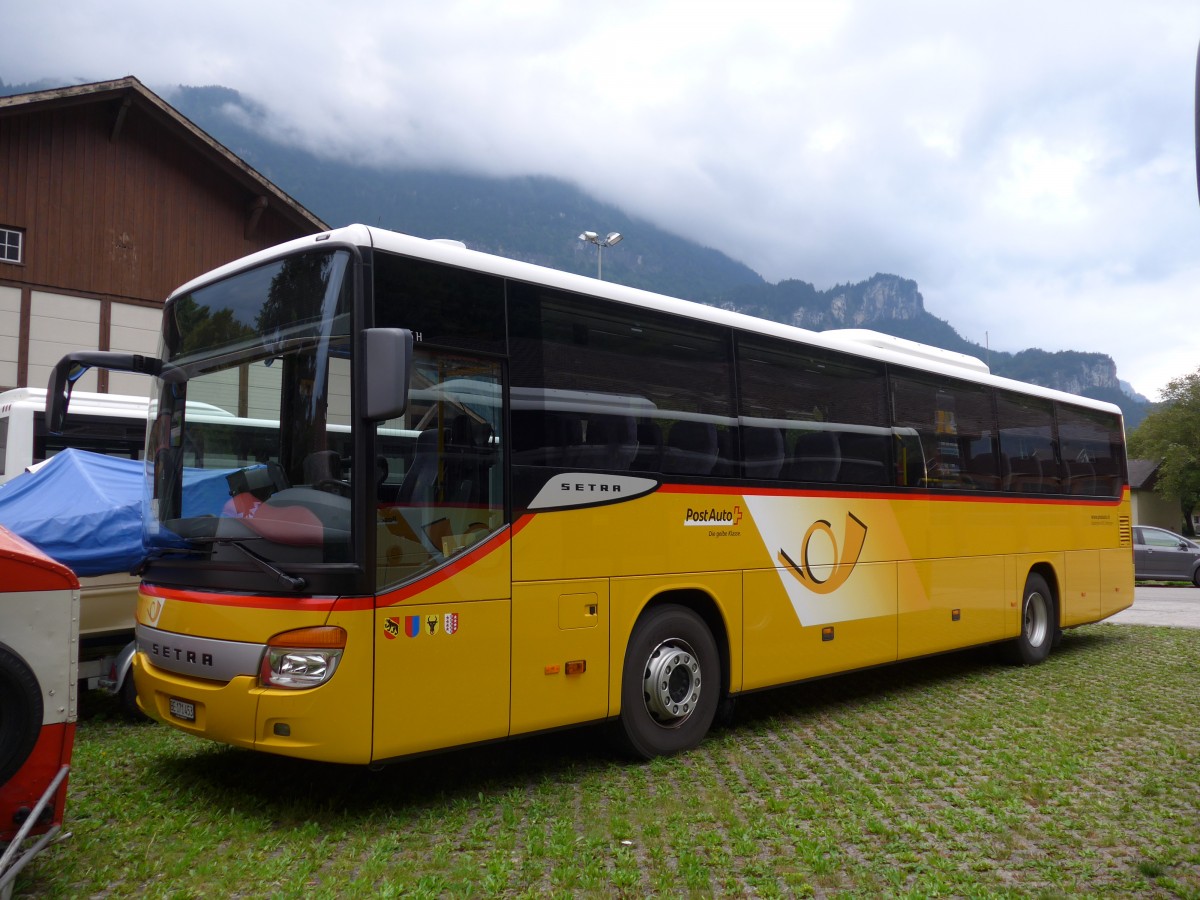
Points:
[1038,623]
[670,684]
[20,712]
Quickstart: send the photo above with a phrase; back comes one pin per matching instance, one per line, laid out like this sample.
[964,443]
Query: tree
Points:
[1172,434]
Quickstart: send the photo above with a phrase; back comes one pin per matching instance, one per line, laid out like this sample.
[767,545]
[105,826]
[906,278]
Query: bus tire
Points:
[20,712]
[1038,623]
[670,683]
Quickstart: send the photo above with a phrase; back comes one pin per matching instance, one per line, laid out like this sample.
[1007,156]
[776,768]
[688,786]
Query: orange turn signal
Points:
[318,637]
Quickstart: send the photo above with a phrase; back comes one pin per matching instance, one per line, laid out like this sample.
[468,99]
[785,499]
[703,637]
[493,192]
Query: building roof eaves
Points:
[132,89]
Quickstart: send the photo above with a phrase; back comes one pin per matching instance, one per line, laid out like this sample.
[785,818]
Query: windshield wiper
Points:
[293,582]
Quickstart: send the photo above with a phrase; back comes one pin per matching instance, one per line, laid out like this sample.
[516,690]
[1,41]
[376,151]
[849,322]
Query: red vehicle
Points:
[39,633]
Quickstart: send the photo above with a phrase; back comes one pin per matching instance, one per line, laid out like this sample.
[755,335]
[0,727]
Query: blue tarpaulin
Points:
[79,508]
[84,509]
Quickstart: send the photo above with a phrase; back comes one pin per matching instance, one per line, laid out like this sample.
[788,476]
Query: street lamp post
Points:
[601,242]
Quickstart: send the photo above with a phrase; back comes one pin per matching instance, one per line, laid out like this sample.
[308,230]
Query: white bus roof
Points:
[872,345]
[85,403]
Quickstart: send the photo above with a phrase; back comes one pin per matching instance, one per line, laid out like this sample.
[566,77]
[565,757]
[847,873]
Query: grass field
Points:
[954,776]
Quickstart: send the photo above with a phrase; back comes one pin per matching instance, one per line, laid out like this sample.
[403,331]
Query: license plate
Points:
[182,709]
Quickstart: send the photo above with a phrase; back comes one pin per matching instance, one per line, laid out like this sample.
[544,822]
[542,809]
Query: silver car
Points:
[1161,555]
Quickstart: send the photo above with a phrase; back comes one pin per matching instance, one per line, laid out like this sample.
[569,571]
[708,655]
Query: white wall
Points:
[134,329]
[10,330]
[59,324]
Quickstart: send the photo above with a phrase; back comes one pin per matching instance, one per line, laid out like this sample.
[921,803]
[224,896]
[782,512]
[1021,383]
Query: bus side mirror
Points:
[387,365]
[73,366]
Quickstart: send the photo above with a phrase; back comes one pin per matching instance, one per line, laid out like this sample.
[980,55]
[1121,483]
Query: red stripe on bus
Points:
[468,559]
[301,604]
[741,491]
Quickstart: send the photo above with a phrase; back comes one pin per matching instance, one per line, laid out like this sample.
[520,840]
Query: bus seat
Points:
[691,448]
[469,457]
[727,465]
[1052,482]
[420,481]
[817,456]
[1024,475]
[610,443]
[1081,478]
[983,471]
[650,447]
[864,458]
[764,452]
[541,437]
[384,492]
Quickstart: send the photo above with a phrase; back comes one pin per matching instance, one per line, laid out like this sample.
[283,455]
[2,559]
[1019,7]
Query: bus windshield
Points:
[266,475]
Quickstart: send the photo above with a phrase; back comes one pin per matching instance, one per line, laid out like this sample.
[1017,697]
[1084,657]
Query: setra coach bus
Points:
[611,506]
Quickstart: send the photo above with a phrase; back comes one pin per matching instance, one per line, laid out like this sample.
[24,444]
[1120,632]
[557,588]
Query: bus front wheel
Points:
[670,684]
[1038,623]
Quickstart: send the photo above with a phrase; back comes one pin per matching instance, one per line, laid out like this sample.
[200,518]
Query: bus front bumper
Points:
[307,724]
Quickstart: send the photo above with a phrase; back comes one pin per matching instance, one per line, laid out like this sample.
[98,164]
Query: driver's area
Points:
[442,487]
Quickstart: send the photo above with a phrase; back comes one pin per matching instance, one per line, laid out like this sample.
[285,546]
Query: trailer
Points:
[39,663]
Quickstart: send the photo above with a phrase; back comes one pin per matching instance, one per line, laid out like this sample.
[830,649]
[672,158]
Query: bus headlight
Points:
[304,658]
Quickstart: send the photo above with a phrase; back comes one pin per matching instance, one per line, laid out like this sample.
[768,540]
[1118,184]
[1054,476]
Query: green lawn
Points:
[955,776]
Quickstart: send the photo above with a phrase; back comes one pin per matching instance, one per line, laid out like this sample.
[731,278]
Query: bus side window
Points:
[1091,452]
[1027,447]
[621,372]
[831,407]
[956,422]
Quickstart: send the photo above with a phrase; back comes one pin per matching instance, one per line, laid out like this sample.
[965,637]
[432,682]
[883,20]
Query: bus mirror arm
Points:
[73,366]
[387,355]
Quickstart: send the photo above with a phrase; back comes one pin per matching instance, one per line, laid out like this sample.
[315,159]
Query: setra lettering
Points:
[581,487]
[179,654]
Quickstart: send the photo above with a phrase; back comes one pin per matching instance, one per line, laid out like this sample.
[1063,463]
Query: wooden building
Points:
[110,199]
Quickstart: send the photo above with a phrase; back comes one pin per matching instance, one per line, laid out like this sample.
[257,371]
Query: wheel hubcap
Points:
[672,683]
[1037,619]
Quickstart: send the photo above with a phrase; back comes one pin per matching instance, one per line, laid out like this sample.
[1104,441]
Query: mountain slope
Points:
[535,219]
[538,219]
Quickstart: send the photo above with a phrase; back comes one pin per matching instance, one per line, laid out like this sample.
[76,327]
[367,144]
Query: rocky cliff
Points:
[894,305]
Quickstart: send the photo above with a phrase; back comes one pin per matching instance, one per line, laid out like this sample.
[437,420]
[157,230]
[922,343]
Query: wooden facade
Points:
[119,200]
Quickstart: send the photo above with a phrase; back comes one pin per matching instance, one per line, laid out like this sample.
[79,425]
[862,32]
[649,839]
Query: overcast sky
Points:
[1029,164]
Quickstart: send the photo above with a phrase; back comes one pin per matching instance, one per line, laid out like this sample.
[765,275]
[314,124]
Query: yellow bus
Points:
[615,507]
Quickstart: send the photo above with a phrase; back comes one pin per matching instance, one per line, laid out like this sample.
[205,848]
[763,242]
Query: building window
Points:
[12,245]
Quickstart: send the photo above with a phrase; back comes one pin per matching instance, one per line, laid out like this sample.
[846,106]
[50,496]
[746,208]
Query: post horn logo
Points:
[855,537]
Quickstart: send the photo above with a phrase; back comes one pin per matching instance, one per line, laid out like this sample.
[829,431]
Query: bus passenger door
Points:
[559,653]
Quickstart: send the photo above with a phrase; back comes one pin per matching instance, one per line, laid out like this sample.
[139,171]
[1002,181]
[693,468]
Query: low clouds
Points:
[1029,165]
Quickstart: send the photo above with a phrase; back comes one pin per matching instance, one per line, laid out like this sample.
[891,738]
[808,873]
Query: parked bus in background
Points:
[618,507]
[112,424]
